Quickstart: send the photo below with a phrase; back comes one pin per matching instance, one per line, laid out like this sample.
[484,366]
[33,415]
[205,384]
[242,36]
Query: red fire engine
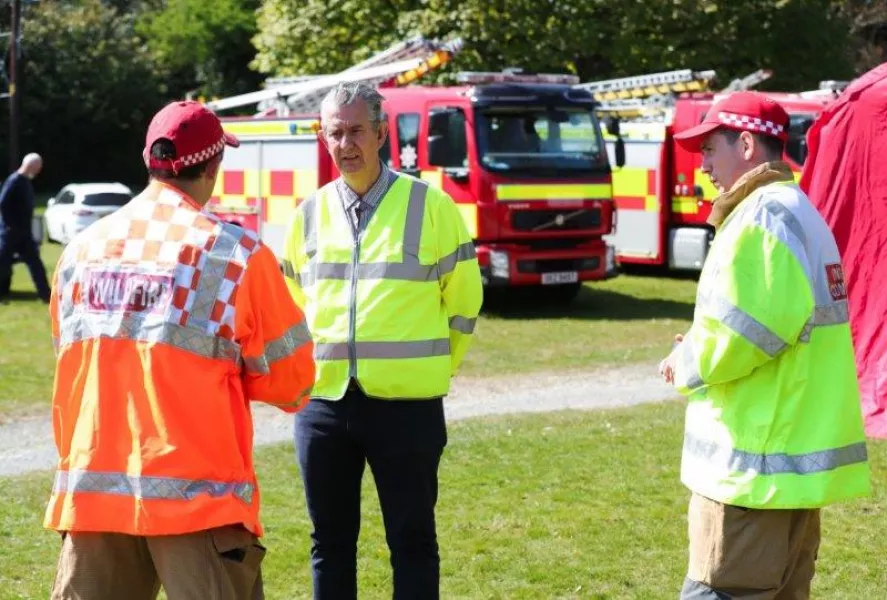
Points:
[523,157]
[662,197]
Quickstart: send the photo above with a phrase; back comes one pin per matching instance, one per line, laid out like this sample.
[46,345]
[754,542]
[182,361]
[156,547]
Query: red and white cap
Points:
[194,130]
[740,111]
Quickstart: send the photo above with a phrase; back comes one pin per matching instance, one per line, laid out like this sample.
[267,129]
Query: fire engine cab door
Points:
[289,168]
[446,151]
[637,194]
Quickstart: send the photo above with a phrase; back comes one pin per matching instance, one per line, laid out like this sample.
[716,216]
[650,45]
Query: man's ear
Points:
[747,145]
[381,134]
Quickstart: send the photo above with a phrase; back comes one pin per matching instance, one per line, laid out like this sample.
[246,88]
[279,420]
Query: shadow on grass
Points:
[22,296]
[589,304]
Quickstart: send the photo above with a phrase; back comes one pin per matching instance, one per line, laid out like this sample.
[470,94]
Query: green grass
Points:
[626,319]
[27,362]
[562,505]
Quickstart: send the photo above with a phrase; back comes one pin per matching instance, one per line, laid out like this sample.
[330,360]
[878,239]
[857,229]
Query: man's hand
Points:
[666,367]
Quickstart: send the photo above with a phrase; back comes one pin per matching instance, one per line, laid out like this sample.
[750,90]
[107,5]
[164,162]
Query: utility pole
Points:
[13,91]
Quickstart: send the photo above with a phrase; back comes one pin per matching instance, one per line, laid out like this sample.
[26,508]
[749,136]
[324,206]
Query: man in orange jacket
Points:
[167,323]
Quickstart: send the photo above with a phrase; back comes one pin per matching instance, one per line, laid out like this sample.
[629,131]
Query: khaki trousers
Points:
[217,564]
[749,554]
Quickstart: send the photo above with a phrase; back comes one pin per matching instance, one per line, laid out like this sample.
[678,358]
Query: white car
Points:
[78,205]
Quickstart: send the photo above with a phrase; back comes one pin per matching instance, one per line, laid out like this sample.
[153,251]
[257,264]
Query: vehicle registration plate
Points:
[560,277]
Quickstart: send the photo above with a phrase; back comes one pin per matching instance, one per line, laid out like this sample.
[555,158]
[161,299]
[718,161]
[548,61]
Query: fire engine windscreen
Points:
[565,141]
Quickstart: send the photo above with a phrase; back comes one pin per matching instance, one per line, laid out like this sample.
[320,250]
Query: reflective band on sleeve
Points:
[687,356]
[148,488]
[384,350]
[744,324]
[462,324]
[739,461]
[832,314]
[277,349]
[464,252]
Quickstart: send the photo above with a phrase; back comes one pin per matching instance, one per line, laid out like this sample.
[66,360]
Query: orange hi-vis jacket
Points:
[167,323]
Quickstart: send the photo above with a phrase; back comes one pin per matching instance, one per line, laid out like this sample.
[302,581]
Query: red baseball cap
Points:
[740,111]
[194,130]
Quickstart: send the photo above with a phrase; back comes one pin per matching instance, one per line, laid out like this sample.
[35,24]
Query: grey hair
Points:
[347,92]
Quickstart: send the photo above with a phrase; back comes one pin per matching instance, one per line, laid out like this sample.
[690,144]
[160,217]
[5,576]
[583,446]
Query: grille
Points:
[530,220]
[556,265]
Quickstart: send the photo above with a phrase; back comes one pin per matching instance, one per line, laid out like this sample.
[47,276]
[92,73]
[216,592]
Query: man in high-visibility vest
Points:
[773,428]
[167,323]
[385,269]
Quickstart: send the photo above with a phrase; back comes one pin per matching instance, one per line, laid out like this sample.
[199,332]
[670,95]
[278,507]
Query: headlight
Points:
[499,264]
[611,258]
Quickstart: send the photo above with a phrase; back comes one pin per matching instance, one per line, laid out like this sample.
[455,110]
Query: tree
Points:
[868,28]
[593,38]
[89,88]
[204,45]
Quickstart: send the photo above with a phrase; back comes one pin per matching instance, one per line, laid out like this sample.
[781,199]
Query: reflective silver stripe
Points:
[448,263]
[288,269]
[412,229]
[279,348]
[212,275]
[832,314]
[132,327]
[744,324]
[409,269]
[148,488]
[401,271]
[778,220]
[55,345]
[688,359]
[739,461]
[309,231]
[825,316]
[387,350]
[462,324]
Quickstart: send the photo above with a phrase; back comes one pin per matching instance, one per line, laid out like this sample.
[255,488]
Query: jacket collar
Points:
[765,174]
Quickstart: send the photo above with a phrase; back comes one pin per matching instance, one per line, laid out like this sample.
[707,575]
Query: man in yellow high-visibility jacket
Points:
[385,270]
[774,428]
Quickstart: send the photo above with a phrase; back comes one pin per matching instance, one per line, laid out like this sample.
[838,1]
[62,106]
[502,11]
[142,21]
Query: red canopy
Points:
[845,176]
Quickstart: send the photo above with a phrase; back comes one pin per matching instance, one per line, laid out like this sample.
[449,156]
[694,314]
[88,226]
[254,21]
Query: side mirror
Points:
[613,126]
[620,152]
[50,202]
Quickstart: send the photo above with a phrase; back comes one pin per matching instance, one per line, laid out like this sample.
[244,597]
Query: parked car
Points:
[78,205]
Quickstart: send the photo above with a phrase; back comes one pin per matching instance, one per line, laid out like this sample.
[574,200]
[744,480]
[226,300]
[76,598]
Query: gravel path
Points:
[26,444]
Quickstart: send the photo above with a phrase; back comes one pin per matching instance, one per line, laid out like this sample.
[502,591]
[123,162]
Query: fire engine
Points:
[523,156]
[662,197]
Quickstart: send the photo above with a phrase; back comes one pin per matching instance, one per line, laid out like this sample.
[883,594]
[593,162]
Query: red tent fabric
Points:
[845,176]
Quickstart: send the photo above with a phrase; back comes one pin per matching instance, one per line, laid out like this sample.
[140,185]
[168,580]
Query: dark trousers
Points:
[402,441]
[14,242]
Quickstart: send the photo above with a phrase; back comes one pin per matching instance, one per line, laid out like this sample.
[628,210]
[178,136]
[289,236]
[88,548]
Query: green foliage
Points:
[592,38]
[89,87]
[204,44]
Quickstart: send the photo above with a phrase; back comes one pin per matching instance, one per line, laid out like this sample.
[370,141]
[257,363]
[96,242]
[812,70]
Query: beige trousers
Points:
[748,554]
[217,564]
